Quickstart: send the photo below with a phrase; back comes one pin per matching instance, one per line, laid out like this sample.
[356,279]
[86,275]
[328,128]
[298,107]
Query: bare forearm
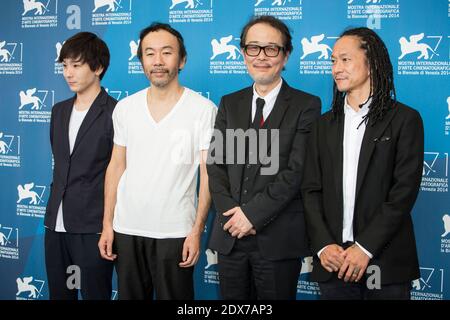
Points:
[114,172]
[202,211]
[204,201]
[111,182]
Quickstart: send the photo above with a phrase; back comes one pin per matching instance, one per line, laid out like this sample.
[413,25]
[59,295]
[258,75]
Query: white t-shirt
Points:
[156,196]
[76,119]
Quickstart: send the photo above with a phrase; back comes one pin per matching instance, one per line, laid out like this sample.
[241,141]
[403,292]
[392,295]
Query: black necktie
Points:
[258,120]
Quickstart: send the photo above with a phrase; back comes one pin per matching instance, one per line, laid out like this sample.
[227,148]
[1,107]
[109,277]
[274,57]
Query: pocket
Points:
[383,145]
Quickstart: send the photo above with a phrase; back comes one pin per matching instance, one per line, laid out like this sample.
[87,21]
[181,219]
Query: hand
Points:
[191,250]
[251,232]
[238,225]
[332,257]
[105,244]
[355,264]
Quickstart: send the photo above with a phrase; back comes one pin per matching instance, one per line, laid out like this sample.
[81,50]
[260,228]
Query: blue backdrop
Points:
[31,31]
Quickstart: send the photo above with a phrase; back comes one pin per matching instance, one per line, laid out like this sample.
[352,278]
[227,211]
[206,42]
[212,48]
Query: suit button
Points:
[246,179]
[245,191]
[244,204]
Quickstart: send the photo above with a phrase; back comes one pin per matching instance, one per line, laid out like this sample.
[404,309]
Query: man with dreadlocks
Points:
[362,174]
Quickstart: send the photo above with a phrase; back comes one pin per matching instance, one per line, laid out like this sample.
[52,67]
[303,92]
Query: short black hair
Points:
[157,26]
[88,48]
[274,23]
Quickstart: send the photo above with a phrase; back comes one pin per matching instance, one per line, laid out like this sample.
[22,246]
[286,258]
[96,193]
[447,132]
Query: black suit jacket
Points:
[78,179]
[275,206]
[388,180]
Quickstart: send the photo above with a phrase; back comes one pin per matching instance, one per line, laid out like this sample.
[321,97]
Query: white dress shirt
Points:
[354,129]
[269,99]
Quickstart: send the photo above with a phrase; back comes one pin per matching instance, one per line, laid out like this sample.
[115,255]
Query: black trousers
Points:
[245,275]
[147,266]
[337,289]
[64,249]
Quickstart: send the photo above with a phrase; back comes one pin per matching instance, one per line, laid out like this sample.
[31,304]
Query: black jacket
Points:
[388,180]
[272,203]
[78,179]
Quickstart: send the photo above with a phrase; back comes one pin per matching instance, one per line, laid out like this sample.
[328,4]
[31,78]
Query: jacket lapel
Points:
[335,138]
[279,109]
[371,136]
[94,111]
[244,110]
[276,116]
[242,121]
[65,114]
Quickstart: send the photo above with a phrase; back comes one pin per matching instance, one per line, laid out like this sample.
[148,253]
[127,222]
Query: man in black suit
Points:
[259,227]
[81,136]
[362,175]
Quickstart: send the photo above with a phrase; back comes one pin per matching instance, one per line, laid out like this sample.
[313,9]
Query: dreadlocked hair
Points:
[382,89]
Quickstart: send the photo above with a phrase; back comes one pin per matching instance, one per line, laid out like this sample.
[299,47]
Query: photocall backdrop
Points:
[416,32]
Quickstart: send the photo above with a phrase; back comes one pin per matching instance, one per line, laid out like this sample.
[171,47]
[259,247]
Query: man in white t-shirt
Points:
[81,135]
[161,136]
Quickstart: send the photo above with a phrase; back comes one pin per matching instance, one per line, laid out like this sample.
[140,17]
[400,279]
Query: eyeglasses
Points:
[254,50]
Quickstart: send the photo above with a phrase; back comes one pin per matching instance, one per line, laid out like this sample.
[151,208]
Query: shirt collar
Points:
[362,111]
[272,94]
